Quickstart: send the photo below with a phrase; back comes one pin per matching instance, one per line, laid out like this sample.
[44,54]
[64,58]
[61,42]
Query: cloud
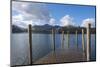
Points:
[18,20]
[88,20]
[24,13]
[52,21]
[66,21]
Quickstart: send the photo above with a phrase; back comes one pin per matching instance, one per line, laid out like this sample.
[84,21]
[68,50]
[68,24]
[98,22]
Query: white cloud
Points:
[66,20]
[18,20]
[88,20]
[52,21]
[24,13]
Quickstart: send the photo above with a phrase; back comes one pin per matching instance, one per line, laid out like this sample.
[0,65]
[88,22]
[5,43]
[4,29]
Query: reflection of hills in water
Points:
[47,29]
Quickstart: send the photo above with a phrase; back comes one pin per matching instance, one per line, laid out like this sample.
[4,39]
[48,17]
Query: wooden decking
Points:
[63,55]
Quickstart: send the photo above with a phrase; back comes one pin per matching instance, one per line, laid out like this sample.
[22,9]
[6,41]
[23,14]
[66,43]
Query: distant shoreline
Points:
[48,29]
[93,31]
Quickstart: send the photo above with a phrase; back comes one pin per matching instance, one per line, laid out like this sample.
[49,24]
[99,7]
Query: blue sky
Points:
[77,12]
[24,13]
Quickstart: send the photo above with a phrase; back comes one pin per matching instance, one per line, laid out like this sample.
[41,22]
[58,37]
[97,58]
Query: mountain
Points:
[17,29]
[42,27]
[47,29]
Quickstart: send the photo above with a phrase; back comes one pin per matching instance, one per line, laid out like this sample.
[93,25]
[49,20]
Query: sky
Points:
[24,13]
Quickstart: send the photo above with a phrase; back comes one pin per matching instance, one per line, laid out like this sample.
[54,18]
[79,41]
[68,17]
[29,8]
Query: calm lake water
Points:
[42,45]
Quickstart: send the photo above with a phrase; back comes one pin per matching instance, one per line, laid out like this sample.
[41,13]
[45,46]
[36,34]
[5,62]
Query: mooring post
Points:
[30,43]
[53,45]
[76,39]
[88,42]
[68,39]
[83,45]
[53,36]
[62,39]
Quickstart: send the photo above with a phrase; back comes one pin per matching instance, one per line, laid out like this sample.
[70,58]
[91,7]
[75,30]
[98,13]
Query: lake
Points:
[42,44]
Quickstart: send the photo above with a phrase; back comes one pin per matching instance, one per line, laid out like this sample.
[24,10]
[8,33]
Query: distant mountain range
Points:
[17,29]
[47,29]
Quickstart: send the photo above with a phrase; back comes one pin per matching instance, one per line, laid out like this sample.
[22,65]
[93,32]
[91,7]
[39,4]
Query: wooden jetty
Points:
[62,56]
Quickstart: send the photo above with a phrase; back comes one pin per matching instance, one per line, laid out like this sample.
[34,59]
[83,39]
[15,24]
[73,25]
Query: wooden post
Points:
[83,45]
[76,39]
[62,39]
[68,39]
[53,44]
[53,36]
[30,43]
[88,42]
